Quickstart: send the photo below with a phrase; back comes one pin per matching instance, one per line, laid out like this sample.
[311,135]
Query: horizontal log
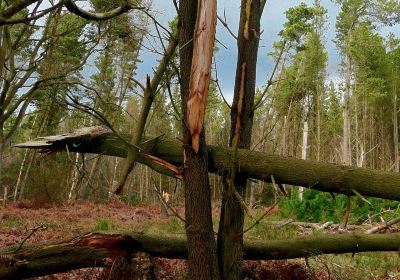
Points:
[321,176]
[91,250]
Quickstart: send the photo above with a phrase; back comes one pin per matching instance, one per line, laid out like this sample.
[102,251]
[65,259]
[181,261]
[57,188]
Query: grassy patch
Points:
[11,222]
[169,226]
[381,265]
[104,225]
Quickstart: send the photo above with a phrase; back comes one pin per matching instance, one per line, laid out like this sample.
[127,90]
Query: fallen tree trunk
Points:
[92,249]
[321,176]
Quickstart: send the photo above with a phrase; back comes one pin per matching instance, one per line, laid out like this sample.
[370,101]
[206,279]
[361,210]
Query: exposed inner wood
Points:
[203,43]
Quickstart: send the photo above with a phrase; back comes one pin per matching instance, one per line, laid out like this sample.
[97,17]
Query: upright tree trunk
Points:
[84,191]
[230,234]
[25,179]
[346,115]
[23,163]
[114,178]
[1,155]
[19,179]
[318,123]
[346,128]
[395,132]
[75,179]
[200,235]
[304,152]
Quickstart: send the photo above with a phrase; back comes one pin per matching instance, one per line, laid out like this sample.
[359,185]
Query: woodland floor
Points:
[67,220]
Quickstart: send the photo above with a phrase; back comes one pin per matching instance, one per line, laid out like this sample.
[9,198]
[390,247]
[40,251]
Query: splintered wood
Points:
[47,141]
[203,43]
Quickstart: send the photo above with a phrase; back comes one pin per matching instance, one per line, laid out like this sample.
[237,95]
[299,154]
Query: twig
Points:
[262,217]
[166,204]
[270,82]
[285,223]
[178,115]
[225,24]
[280,224]
[384,226]
[218,85]
[29,236]
[360,196]
[325,225]
[347,215]
[278,186]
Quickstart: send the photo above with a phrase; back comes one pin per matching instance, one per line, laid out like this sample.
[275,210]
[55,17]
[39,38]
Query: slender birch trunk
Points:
[395,132]
[19,179]
[304,152]
[75,179]
[346,114]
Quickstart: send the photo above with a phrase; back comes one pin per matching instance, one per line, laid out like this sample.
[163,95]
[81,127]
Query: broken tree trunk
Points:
[320,176]
[91,250]
[230,232]
[196,39]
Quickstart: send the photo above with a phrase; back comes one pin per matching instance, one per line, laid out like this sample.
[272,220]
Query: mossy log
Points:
[92,250]
[321,176]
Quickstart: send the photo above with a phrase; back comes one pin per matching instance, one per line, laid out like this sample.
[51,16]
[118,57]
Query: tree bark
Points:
[230,233]
[21,169]
[346,114]
[149,93]
[320,176]
[202,260]
[2,144]
[92,249]
[304,153]
[395,132]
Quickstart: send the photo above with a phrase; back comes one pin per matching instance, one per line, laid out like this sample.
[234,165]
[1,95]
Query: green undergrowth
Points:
[104,225]
[256,229]
[382,265]
[171,226]
[315,208]
[11,222]
[322,207]
[385,265]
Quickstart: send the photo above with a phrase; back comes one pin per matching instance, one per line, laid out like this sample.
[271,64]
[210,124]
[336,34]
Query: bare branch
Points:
[73,8]
[269,83]
[13,9]
[225,24]
[33,16]
[218,85]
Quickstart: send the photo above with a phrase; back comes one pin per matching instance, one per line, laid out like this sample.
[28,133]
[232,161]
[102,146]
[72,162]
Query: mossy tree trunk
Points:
[322,176]
[92,249]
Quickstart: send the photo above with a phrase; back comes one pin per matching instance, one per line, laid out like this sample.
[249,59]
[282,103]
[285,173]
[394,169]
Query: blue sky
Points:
[271,23]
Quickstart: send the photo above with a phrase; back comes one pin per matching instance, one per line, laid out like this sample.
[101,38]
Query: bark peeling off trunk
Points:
[196,38]
[320,176]
[203,43]
[247,19]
